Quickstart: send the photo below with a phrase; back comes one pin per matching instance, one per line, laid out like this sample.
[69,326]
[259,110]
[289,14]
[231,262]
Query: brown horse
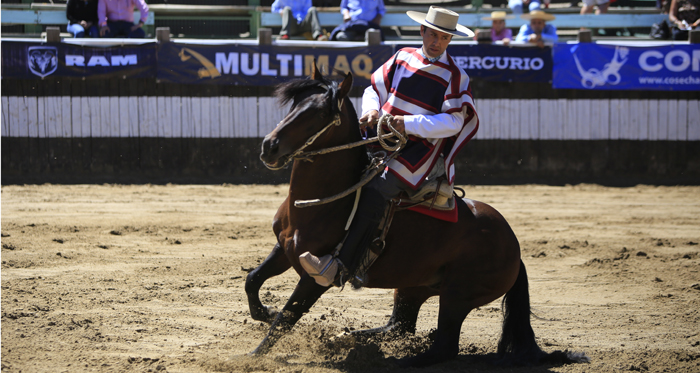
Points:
[468,264]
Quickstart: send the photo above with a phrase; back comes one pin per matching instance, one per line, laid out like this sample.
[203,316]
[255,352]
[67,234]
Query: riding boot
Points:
[354,253]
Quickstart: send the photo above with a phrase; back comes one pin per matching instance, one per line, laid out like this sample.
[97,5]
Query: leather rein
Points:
[377,164]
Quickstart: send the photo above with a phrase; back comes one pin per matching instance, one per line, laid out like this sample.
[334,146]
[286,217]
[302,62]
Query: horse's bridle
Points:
[299,152]
[373,169]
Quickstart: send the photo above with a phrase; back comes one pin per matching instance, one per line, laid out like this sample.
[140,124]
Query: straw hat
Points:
[498,16]
[538,14]
[442,20]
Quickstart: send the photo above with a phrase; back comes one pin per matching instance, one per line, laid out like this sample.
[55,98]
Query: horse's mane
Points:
[286,92]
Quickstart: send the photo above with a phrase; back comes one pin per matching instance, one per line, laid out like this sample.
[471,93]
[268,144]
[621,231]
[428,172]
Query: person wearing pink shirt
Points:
[498,27]
[116,18]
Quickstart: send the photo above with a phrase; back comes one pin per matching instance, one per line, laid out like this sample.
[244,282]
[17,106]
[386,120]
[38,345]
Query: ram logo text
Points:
[78,60]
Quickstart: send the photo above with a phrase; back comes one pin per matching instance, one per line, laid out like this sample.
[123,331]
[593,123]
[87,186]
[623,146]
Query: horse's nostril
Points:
[270,146]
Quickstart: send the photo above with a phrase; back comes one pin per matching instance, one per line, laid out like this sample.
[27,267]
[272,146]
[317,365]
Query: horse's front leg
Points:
[275,264]
[304,296]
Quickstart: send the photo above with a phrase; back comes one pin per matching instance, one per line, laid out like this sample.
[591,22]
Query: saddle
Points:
[434,195]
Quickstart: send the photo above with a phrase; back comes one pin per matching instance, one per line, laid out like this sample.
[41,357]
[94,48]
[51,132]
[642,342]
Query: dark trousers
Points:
[354,30]
[678,34]
[309,24]
[122,29]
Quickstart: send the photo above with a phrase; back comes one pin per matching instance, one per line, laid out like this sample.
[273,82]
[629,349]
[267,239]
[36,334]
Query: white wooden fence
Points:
[245,117]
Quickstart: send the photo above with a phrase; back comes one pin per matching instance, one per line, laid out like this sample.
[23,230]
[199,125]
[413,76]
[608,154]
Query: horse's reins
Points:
[299,153]
[386,118]
[374,168]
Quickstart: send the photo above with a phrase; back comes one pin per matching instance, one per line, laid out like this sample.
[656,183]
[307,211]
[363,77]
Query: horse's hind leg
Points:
[407,303]
[454,308]
[275,263]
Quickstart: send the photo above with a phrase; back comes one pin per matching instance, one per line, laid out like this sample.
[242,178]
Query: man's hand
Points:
[369,119]
[372,117]
[536,39]
[399,124]
[136,26]
[104,30]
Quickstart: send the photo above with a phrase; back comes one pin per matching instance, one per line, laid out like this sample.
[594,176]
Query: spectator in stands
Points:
[517,5]
[684,16]
[116,18]
[663,5]
[298,17]
[358,17]
[82,18]
[498,27]
[538,31]
[589,5]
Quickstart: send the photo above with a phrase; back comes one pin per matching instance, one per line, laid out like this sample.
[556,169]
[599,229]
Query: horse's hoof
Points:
[404,363]
[257,352]
[380,332]
[343,341]
[423,360]
[266,315]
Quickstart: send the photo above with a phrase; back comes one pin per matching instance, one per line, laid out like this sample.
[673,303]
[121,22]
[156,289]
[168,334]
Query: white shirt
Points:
[426,126]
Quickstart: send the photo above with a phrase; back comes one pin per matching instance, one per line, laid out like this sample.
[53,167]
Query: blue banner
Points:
[260,65]
[44,60]
[505,64]
[595,66]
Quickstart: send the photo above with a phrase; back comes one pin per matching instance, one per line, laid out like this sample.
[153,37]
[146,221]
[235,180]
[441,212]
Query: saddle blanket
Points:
[437,200]
[447,215]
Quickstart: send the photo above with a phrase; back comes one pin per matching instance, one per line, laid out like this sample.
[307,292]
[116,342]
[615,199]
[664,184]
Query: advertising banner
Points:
[26,60]
[506,64]
[501,63]
[595,66]
[260,65]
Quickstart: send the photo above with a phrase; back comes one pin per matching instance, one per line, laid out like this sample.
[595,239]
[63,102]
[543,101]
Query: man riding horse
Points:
[430,99]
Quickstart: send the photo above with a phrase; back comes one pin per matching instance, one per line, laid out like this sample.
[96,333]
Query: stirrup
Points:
[324,270]
[367,259]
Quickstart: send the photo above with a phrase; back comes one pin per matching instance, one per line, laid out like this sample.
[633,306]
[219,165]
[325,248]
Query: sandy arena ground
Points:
[146,278]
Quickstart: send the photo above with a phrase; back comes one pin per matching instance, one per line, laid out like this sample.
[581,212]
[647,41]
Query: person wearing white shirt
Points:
[430,99]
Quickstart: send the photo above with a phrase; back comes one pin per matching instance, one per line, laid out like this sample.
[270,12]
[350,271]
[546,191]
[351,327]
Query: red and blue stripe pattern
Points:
[409,84]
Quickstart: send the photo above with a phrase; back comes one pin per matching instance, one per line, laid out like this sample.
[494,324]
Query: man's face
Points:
[434,42]
[537,25]
[498,24]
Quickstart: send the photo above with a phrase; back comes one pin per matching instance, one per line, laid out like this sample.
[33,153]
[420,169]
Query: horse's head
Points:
[316,104]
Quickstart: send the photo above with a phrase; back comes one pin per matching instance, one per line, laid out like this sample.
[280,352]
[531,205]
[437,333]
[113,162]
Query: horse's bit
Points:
[374,168]
[298,153]
[377,164]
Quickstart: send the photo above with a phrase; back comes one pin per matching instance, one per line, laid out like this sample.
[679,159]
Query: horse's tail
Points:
[517,344]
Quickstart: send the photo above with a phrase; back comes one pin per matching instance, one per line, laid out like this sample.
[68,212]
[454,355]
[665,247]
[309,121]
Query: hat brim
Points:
[420,18]
[497,18]
[545,17]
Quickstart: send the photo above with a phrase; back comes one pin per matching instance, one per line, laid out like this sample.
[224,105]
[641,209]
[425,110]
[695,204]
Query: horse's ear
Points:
[345,85]
[315,74]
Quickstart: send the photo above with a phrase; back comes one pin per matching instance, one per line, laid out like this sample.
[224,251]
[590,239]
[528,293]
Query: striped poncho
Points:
[438,108]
